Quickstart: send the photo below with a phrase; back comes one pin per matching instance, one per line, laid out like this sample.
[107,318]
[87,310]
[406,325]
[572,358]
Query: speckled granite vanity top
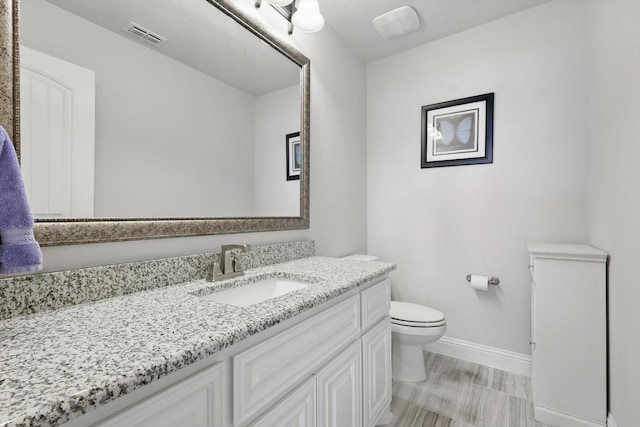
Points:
[57,365]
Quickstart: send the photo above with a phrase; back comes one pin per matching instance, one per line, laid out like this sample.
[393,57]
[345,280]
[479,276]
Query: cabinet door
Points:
[296,410]
[265,372]
[194,402]
[376,351]
[340,390]
[570,343]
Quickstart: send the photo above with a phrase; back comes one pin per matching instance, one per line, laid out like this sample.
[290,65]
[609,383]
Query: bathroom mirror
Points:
[229,169]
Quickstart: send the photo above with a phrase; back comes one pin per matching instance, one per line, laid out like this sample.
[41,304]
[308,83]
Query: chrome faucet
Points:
[228,266]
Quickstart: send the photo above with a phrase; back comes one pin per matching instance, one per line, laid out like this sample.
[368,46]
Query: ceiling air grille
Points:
[146,35]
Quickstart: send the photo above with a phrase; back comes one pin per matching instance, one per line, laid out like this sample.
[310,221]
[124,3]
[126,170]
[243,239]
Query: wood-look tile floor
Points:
[463,394]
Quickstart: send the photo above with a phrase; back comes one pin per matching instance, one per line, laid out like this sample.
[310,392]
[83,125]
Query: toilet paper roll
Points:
[479,283]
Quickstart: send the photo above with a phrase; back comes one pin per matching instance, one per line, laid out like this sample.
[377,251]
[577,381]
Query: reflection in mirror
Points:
[153,109]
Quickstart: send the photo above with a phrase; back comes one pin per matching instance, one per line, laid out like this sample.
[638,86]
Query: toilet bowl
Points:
[412,326]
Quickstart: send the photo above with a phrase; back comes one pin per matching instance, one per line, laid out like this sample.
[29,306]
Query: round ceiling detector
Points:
[397,22]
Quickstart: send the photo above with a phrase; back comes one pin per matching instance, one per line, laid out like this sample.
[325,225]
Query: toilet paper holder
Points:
[492,280]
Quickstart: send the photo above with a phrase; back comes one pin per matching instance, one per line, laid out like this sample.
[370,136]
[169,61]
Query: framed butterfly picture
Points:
[458,132]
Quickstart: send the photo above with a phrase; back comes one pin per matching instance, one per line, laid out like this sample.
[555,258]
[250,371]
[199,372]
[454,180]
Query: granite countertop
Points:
[57,365]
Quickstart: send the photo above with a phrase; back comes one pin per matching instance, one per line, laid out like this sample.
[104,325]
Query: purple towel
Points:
[19,251]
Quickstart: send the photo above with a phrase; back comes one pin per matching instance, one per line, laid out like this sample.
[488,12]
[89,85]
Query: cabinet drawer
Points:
[194,402]
[376,303]
[265,372]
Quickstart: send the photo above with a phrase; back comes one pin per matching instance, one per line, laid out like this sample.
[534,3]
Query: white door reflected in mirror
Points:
[57,105]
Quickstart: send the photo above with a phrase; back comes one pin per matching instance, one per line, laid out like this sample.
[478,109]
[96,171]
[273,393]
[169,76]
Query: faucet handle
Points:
[229,262]
[214,271]
[216,268]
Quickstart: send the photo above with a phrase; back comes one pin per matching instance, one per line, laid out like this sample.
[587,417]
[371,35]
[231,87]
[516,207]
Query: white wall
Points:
[277,115]
[129,136]
[338,174]
[614,204]
[440,224]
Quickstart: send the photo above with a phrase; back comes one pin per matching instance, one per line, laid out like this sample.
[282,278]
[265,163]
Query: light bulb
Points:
[308,18]
[279,2]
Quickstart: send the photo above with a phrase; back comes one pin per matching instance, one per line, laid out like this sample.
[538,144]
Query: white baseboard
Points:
[385,419]
[506,360]
[554,417]
[610,421]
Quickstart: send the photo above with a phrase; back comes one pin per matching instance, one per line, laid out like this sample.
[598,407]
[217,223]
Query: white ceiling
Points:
[198,35]
[351,19]
[223,49]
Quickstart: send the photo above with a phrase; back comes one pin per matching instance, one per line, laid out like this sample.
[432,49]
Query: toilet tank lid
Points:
[415,312]
[361,257]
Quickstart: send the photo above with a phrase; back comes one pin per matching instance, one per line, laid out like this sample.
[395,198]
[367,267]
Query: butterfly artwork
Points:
[455,132]
[458,132]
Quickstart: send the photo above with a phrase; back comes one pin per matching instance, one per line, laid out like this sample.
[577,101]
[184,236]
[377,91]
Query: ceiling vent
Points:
[144,34]
[397,22]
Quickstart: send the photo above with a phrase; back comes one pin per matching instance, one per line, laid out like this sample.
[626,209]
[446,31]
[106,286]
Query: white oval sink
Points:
[253,293]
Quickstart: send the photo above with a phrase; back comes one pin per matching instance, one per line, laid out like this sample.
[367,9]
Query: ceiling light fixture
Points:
[308,18]
[397,22]
[303,14]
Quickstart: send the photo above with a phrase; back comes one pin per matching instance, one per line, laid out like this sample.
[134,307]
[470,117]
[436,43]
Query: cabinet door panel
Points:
[340,390]
[570,327]
[296,410]
[376,350]
[194,402]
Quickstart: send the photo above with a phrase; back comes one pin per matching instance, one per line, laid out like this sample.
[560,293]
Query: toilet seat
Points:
[418,324]
[415,315]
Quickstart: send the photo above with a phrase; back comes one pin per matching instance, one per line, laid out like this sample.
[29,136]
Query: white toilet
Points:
[412,326]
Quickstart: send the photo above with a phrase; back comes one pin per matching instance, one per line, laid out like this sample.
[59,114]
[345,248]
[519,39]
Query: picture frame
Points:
[294,156]
[458,132]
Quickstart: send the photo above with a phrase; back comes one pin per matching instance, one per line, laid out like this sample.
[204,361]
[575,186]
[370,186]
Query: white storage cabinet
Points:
[568,345]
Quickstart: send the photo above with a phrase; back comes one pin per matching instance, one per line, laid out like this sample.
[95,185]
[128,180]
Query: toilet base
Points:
[408,362]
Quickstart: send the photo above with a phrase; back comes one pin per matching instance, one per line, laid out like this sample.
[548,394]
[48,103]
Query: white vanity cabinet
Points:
[333,369]
[568,308]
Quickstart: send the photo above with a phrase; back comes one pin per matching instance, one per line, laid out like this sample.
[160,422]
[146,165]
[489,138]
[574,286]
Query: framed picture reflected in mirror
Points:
[294,156]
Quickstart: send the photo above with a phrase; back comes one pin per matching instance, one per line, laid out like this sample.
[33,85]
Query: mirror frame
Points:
[74,231]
